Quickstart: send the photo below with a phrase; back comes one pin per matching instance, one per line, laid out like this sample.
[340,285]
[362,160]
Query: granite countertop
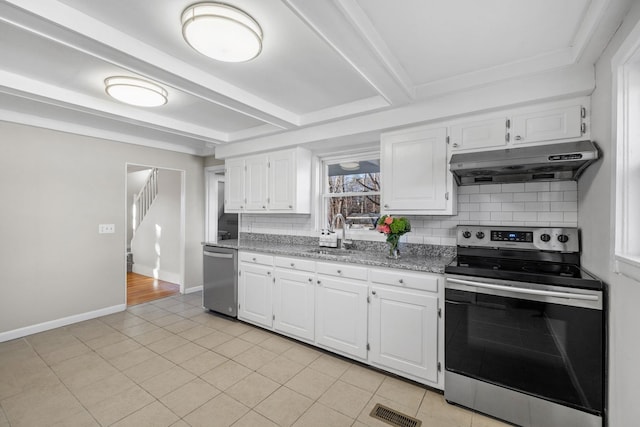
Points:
[432,261]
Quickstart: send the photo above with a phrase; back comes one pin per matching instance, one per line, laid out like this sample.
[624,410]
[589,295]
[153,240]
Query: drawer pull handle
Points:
[401,281]
[373,292]
[339,271]
[254,259]
[310,279]
[293,265]
[319,283]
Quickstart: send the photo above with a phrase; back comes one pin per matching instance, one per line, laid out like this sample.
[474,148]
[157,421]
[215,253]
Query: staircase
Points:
[144,199]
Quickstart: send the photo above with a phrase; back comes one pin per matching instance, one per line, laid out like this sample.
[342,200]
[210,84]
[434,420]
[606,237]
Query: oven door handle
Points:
[556,294]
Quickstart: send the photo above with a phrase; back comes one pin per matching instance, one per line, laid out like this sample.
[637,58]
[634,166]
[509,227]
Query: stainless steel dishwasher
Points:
[220,288]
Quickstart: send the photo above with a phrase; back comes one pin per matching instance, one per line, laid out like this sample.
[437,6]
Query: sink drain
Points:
[393,417]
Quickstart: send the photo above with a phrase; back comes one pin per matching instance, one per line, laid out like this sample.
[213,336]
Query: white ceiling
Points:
[323,62]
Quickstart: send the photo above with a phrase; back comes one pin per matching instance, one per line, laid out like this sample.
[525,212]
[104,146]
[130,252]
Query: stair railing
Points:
[144,199]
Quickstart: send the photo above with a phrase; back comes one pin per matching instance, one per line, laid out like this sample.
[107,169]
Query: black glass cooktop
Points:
[548,273]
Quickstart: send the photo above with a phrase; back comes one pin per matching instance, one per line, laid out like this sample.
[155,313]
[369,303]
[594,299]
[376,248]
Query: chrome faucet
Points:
[344,240]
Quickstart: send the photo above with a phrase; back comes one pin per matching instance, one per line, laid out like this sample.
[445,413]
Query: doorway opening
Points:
[155,241]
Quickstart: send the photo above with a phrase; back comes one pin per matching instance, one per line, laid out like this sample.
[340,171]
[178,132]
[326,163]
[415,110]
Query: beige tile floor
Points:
[169,363]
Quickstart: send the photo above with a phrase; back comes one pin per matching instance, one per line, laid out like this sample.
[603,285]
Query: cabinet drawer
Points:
[342,270]
[296,264]
[424,282]
[255,258]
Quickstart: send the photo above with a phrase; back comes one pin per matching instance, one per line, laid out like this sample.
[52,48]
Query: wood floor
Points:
[144,289]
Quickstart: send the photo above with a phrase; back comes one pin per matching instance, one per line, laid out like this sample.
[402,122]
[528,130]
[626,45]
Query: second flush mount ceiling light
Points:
[135,91]
[222,32]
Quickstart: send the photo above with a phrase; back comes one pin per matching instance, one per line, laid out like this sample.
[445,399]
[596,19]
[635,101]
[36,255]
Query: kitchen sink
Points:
[331,251]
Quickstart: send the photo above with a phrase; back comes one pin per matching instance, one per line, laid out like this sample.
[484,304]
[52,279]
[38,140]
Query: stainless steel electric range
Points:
[525,327]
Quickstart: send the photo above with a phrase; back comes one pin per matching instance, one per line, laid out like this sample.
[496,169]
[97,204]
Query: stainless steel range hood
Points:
[562,161]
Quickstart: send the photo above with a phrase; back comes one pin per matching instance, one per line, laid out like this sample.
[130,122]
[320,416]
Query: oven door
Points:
[543,341]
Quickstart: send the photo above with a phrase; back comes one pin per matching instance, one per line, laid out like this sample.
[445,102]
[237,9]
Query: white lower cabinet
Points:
[341,315]
[388,318]
[294,304]
[255,292]
[403,331]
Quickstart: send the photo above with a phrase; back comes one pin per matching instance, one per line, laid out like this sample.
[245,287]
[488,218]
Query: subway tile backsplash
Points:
[522,204]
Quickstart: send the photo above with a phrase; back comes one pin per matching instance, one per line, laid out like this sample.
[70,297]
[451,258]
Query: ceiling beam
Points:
[68,26]
[336,27]
[563,83]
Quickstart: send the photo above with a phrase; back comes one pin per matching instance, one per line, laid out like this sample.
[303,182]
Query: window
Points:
[626,67]
[351,187]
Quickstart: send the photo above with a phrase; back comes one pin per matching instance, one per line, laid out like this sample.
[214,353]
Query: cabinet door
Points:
[234,185]
[282,181]
[255,184]
[255,287]
[479,134]
[341,316]
[415,172]
[403,331]
[293,304]
[547,125]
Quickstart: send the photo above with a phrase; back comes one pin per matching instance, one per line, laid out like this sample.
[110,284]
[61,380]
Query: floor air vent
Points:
[393,417]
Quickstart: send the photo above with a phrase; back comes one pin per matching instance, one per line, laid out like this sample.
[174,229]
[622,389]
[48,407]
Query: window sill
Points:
[628,266]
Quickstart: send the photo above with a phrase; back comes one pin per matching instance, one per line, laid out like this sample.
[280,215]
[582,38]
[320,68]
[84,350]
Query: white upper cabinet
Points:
[415,172]
[290,181]
[282,180]
[479,134]
[548,125]
[540,124]
[273,182]
[234,185]
[255,184]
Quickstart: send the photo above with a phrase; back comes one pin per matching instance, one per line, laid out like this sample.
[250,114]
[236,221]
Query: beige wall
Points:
[595,219]
[56,188]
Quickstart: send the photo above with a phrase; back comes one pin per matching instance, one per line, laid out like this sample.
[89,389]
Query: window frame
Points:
[626,82]
[322,210]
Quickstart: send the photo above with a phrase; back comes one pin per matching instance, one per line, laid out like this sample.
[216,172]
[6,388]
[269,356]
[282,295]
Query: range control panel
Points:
[511,236]
[557,239]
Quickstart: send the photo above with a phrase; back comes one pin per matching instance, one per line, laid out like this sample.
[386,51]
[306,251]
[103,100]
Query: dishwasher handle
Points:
[218,255]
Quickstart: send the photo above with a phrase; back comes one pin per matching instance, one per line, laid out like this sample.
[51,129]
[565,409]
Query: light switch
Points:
[106,228]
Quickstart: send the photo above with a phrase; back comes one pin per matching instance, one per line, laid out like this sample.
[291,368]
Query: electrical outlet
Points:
[106,228]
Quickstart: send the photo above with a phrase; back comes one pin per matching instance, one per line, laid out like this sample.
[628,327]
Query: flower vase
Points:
[394,252]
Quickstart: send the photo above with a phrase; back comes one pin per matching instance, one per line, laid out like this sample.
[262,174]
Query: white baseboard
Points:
[52,324]
[193,289]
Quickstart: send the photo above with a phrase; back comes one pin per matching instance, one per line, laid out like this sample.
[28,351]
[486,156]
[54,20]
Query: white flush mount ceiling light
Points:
[135,91]
[350,166]
[221,31]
